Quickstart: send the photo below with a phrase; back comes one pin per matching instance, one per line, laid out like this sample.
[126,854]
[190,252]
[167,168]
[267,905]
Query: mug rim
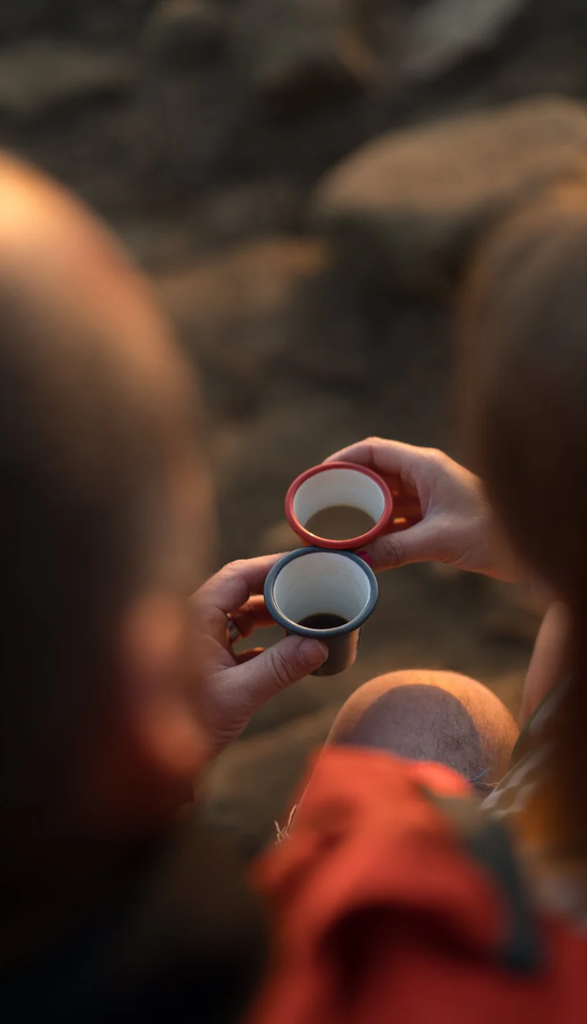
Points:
[294,627]
[350,542]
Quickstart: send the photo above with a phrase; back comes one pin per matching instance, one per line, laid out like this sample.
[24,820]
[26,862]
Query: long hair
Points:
[523,334]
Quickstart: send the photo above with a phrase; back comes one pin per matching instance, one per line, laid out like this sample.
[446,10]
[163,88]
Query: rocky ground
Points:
[305,180]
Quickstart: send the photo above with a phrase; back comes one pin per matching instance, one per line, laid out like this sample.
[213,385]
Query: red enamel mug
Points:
[335,485]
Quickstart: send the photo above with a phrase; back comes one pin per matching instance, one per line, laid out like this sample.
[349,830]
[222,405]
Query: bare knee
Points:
[431,716]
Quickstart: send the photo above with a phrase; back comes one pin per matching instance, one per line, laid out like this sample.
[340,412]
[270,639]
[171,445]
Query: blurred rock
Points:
[444,32]
[101,21]
[108,20]
[235,314]
[405,208]
[182,33]
[301,52]
[158,244]
[17,16]
[279,537]
[40,76]
[251,278]
[251,784]
[182,128]
[249,209]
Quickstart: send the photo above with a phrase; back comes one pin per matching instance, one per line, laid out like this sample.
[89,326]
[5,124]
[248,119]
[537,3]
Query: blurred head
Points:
[104,513]
[524,319]
[524,327]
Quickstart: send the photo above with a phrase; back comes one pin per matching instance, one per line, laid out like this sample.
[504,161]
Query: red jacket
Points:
[386,911]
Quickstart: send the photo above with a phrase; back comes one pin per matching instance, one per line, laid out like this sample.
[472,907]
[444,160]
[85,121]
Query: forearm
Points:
[550,659]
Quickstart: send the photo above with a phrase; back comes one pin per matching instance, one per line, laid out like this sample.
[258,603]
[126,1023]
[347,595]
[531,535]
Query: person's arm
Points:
[550,660]
[441,513]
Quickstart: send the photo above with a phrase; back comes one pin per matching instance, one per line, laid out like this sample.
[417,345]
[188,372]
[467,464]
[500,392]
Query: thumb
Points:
[278,667]
[416,544]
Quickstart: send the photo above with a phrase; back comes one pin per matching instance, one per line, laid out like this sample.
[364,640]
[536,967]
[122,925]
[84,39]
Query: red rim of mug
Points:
[350,542]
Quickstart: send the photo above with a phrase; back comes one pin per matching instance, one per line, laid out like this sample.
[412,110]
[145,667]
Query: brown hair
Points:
[81,471]
[523,321]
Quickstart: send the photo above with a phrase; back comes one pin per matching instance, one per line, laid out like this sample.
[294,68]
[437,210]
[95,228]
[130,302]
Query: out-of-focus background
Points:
[305,182]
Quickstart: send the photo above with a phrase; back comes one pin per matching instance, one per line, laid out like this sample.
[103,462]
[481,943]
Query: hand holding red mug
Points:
[440,512]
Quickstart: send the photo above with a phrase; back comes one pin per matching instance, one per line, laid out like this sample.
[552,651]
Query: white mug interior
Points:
[321,582]
[338,487]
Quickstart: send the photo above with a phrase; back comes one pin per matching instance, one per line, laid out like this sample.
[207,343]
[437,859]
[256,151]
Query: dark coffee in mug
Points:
[340,522]
[323,620]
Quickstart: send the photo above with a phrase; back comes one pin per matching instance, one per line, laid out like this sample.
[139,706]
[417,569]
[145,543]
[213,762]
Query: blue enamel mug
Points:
[325,595]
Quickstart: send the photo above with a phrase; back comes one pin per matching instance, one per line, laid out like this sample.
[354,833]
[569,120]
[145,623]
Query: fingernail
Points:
[366,558]
[313,653]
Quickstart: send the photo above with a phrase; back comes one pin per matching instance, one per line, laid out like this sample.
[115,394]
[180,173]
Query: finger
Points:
[359,457]
[259,678]
[245,656]
[228,591]
[393,459]
[419,543]
[252,615]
